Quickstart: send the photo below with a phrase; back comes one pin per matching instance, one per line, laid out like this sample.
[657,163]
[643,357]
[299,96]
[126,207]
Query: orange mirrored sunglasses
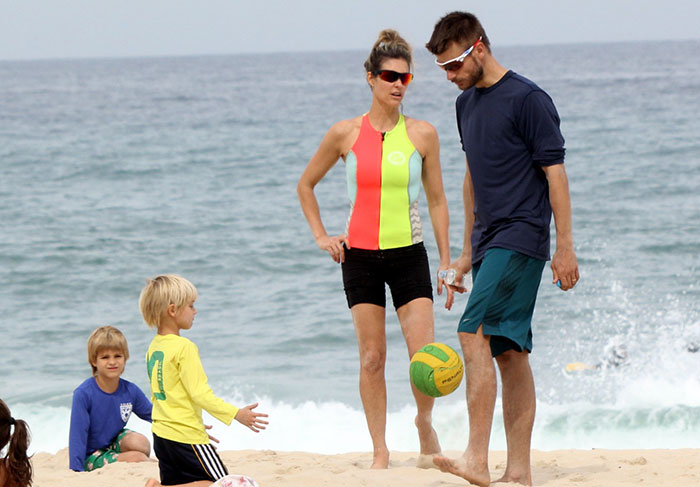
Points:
[391,76]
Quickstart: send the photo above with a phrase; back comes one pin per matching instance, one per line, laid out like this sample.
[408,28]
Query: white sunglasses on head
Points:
[459,59]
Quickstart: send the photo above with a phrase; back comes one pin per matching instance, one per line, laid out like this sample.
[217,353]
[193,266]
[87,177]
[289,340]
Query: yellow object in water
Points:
[576,366]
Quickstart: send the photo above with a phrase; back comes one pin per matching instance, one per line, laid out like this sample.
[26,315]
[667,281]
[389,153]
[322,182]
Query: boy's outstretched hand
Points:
[247,417]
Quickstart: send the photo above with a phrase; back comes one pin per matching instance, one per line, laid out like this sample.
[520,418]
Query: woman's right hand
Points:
[334,246]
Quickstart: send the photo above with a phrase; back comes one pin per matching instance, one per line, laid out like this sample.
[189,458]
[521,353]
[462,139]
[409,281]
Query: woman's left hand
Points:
[450,289]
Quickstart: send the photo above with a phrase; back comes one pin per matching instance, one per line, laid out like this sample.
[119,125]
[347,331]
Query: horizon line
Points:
[314,51]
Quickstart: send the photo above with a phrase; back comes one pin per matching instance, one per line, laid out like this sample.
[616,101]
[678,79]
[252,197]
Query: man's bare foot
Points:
[459,468]
[152,483]
[381,459]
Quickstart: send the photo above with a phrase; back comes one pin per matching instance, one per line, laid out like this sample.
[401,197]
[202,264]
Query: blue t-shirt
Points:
[508,131]
[97,417]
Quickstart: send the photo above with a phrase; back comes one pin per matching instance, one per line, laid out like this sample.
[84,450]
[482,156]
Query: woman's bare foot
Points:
[381,459]
[512,479]
[429,444]
[426,461]
[427,436]
[460,468]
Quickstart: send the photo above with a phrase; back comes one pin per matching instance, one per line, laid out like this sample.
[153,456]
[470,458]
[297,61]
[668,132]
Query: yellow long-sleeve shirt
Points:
[180,390]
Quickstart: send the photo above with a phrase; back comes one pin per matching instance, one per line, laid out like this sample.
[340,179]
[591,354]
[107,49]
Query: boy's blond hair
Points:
[162,291]
[106,338]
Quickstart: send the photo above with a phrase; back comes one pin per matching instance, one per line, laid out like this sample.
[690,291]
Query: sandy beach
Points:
[590,468]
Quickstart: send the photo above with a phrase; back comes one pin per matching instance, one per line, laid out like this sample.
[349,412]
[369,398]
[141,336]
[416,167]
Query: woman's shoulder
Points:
[343,134]
[346,127]
[423,135]
[420,127]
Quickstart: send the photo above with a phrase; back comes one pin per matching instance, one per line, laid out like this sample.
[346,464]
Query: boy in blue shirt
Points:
[102,406]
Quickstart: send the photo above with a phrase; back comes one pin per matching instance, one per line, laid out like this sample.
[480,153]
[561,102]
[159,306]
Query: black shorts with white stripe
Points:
[181,463]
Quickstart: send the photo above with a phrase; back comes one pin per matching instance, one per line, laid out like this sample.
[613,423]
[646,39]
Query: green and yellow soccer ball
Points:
[436,370]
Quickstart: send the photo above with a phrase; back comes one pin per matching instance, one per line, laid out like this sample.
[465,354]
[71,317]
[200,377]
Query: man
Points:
[515,180]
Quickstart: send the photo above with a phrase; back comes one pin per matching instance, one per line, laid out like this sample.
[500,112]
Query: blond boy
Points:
[102,406]
[180,389]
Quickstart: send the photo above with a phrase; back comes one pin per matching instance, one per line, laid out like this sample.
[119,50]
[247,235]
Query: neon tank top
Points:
[384,180]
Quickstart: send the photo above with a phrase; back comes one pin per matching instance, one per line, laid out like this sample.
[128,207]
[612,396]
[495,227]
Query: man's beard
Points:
[476,75]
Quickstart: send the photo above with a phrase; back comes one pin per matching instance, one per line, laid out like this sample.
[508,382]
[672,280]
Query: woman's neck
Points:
[383,118]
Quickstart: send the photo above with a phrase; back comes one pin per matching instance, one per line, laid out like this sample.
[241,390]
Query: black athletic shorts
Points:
[404,269]
[181,463]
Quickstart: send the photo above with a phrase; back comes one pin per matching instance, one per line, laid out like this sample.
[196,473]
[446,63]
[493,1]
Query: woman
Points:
[387,156]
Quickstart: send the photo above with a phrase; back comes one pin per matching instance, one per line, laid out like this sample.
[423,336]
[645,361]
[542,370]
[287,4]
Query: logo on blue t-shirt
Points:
[125,410]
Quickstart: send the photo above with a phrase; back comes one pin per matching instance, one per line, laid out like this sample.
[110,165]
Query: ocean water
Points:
[114,170]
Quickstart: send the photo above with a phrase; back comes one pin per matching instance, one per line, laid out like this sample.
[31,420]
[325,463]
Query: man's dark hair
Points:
[459,27]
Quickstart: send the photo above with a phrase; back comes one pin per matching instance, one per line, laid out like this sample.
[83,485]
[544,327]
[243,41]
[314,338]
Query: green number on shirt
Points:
[157,357]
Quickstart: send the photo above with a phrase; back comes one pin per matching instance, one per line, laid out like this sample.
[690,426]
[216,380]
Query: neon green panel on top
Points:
[401,178]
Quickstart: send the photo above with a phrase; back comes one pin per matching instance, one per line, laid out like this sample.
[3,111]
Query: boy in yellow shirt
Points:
[180,389]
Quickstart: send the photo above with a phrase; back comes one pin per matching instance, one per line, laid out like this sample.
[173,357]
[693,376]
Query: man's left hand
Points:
[565,268]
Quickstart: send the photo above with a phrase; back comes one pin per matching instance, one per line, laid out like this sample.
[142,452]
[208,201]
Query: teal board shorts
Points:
[505,284]
[103,456]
